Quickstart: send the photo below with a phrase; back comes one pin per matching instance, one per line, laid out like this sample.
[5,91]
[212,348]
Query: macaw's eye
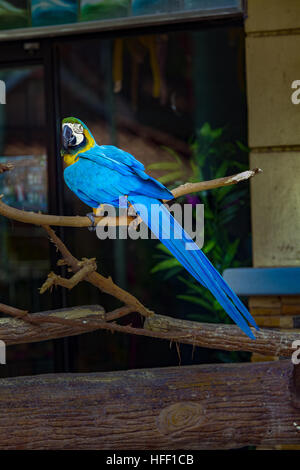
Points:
[78,128]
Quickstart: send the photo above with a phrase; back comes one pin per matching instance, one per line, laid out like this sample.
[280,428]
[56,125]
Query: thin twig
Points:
[87,266]
[104,284]
[15,312]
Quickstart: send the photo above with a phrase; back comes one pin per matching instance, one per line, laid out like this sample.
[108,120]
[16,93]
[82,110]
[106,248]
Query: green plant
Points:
[212,157]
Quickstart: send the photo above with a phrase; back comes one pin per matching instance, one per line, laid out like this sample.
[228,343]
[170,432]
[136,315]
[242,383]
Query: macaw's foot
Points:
[100,210]
[91,216]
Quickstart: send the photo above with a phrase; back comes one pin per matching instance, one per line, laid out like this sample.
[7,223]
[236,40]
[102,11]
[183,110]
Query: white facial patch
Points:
[77,130]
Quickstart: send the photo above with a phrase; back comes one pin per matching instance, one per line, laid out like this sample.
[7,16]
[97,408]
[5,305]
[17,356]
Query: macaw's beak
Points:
[68,138]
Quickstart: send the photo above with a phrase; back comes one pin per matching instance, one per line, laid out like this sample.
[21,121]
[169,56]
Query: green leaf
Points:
[195,300]
[239,165]
[221,172]
[231,251]
[217,133]
[208,214]
[234,196]
[166,264]
[205,130]
[172,153]
[163,248]
[172,272]
[209,246]
[196,169]
[221,192]
[163,166]
[242,147]
[194,287]
[228,214]
[174,176]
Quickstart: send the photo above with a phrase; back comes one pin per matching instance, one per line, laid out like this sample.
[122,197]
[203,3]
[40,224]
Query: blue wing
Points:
[125,163]
[106,167]
[119,156]
[112,173]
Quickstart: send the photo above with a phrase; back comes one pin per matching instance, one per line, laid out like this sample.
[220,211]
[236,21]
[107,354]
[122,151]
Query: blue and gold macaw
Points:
[102,174]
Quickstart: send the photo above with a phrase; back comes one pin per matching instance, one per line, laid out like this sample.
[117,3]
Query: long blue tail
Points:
[194,260]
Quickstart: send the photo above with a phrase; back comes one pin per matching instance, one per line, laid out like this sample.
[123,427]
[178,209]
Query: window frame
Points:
[128,23]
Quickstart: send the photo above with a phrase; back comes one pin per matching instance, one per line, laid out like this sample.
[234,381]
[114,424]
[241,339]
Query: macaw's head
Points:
[76,139]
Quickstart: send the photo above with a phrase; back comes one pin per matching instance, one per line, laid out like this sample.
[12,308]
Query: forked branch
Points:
[105,284]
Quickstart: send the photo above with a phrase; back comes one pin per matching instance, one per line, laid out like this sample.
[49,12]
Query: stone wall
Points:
[273,63]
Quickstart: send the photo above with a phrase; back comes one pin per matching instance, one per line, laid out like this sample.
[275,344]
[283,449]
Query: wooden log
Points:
[281,312]
[219,406]
[17,331]
[226,337]
[79,320]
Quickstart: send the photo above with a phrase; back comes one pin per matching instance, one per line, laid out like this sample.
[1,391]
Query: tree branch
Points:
[78,320]
[48,325]
[87,266]
[189,188]
[54,324]
[104,284]
[77,221]
[14,312]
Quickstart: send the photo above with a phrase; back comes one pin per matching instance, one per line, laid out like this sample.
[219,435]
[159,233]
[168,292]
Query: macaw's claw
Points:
[91,216]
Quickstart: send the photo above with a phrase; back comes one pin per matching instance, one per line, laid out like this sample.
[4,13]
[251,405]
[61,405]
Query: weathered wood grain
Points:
[225,337]
[194,407]
[16,331]
[268,342]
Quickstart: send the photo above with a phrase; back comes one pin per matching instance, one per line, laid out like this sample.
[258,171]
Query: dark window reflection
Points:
[24,249]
